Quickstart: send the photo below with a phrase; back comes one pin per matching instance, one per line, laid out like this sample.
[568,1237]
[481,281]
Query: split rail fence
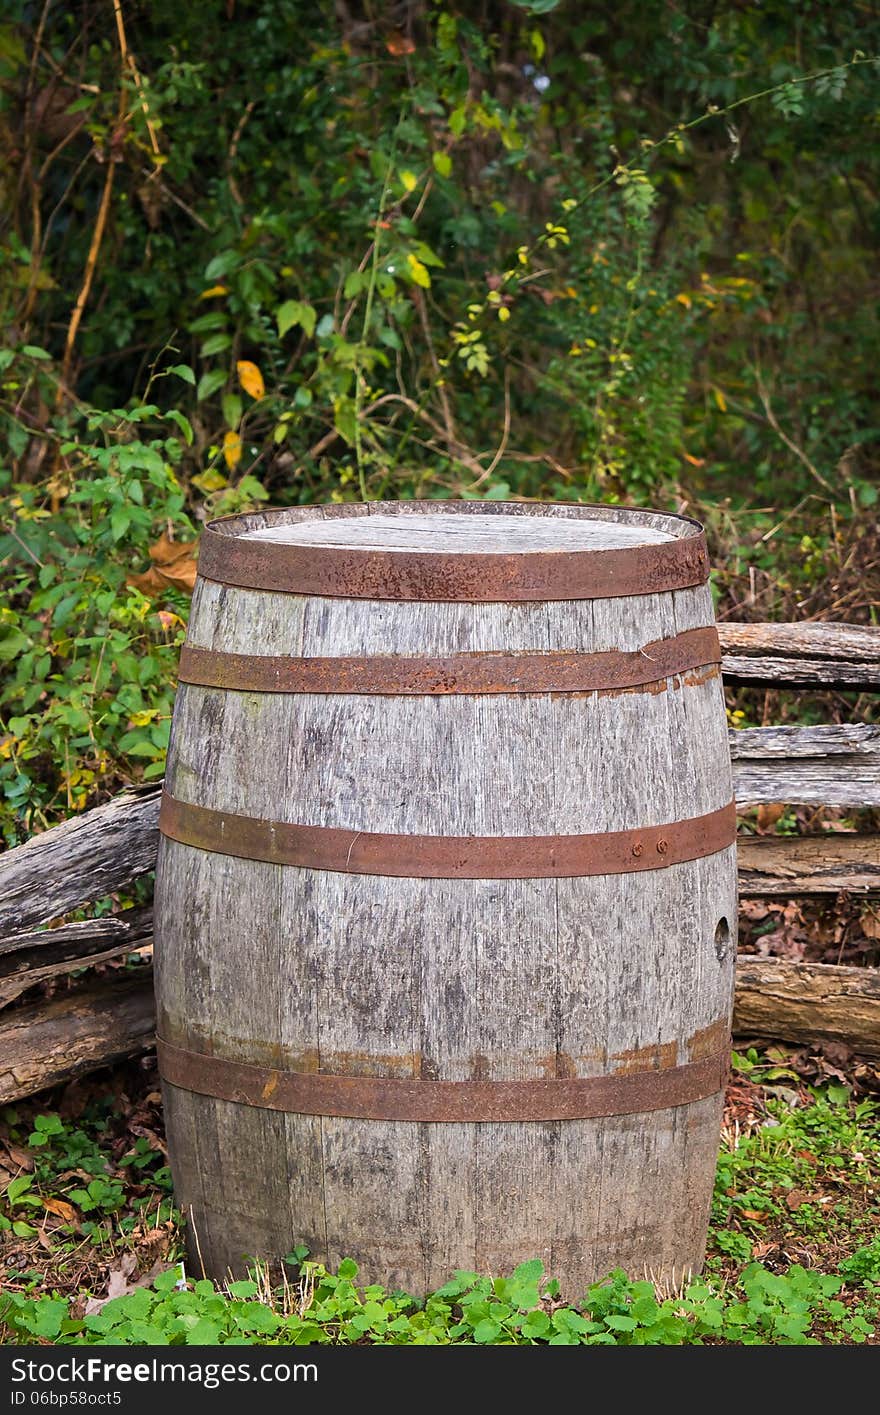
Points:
[89,857]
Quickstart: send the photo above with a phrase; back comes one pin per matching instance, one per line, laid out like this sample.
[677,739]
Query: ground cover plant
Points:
[92,1247]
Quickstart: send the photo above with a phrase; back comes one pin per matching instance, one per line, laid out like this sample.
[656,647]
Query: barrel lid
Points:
[456,551]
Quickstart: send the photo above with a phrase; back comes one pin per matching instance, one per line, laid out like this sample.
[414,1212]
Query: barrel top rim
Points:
[526,551]
[487,527]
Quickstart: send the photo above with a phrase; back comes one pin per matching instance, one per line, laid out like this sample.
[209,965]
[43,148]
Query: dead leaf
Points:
[250,378]
[118,1284]
[60,1209]
[794,1198]
[761,1249]
[756,1215]
[871,924]
[174,565]
[399,44]
[768,815]
[22,1159]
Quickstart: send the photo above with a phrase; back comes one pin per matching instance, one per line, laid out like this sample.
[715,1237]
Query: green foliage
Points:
[765,1309]
[75,1177]
[605,254]
[91,658]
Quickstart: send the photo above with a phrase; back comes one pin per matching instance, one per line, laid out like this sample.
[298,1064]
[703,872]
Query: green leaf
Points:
[183,423]
[216,344]
[620,1323]
[442,164]
[355,281]
[537,1323]
[33,351]
[486,1331]
[204,1333]
[530,1271]
[120,520]
[294,312]
[222,264]
[210,382]
[348,1268]
[17,1187]
[65,607]
[12,642]
[141,749]
[50,1313]
[183,371]
[231,404]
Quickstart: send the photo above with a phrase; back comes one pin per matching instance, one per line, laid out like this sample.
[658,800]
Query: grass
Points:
[92,1246]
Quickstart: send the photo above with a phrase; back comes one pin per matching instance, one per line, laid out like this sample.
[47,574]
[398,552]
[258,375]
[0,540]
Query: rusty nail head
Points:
[637,848]
[662,846]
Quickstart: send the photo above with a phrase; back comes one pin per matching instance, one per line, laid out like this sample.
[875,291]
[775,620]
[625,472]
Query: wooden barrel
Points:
[447,892]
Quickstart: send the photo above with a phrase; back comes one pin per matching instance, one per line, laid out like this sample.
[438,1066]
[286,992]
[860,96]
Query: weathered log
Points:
[68,1036]
[781,867]
[46,1044]
[27,959]
[821,766]
[83,859]
[808,1003]
[800,655]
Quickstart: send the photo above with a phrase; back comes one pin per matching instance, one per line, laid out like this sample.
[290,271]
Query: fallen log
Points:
[30,958]
[800,655]
[806,766]
[49,1042]
[52,1042]
[83,859]
[807,1003]
[784,866]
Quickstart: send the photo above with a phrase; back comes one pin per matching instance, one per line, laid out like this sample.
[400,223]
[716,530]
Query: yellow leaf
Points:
[231,440]
[504,314]
[418,272]
[214,290]
[685,300]
[211,480]
[250,378]
[720,399]
[139,719]
[410,181]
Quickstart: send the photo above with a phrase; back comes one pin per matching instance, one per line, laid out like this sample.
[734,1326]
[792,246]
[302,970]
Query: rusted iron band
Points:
[360,852]
[473,578]
[392,1098]
[548,672]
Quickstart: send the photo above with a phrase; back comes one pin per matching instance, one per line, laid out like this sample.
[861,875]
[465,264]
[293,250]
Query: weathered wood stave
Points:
[447,979]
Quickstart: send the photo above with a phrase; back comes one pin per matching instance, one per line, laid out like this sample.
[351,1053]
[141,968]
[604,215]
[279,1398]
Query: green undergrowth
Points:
[793,1254]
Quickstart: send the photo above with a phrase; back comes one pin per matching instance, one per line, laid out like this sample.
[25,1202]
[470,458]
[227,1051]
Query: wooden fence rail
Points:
[106,849]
